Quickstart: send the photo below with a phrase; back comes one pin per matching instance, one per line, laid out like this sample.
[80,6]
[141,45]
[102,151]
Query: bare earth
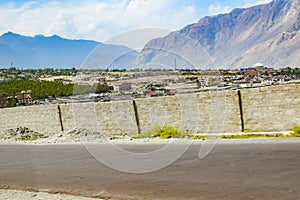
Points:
[235,169]
[26,195]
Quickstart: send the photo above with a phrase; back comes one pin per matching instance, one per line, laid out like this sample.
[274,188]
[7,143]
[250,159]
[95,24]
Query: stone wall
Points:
[274,108]
[195,113]
[108,118]
[42,118]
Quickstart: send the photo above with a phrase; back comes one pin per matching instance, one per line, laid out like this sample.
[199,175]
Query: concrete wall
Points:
[202,112]
[274,108]
[108,118]
[43,118]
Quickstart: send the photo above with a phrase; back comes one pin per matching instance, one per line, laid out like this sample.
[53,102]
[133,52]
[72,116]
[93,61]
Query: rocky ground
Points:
[6,194]
[24,135]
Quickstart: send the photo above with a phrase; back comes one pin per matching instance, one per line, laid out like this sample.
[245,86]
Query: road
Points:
[233,170]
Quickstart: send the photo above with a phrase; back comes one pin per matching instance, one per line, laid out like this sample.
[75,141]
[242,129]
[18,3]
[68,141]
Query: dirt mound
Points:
[86,135]
[22,133]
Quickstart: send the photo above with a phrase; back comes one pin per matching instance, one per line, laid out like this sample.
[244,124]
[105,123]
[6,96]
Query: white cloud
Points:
[249,3]
[218,9]
[92,19]
[215,9]
[190,9]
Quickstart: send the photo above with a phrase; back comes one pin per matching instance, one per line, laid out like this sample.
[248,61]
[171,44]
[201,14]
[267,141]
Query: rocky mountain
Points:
[267,33]
[54,51]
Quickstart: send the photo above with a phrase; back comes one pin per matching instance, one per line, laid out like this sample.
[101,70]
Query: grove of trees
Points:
[44,89]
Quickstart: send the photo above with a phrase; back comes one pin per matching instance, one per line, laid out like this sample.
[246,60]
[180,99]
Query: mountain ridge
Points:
[41,51]
[232,39]
[267,33]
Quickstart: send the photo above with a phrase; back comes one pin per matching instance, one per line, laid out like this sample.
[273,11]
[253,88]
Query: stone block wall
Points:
[195,113]
[275,108]
[42,118]
[108,118]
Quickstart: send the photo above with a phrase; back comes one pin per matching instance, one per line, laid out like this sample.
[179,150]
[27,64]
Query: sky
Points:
[102,20]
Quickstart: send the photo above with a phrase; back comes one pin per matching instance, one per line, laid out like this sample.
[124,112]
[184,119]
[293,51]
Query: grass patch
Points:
[204,137]
[32,138]
[252,135]
[295,131]
[247,130]
[166,132]
[240,136]
[117,136]
[163,132]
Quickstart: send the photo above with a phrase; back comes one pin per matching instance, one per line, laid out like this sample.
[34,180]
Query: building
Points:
[3,100]
[124,87]
[25,98]
[102,82]
[258,66]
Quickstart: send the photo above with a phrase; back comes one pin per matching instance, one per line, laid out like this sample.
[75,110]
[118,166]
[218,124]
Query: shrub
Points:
[32,138]
[295,131]
[117,136]
[163,132]
[166,132]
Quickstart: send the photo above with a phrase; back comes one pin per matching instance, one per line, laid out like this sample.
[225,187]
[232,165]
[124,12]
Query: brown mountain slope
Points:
[266,33]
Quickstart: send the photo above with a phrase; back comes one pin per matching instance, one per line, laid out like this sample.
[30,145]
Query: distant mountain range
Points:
[40,52]
[268,34]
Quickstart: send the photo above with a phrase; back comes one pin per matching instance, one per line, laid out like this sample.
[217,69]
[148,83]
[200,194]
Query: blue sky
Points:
[102,19]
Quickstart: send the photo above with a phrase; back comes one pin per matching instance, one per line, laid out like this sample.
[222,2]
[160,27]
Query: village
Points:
[119,85]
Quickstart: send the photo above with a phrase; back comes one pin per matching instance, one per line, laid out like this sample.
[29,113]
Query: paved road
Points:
[240,170]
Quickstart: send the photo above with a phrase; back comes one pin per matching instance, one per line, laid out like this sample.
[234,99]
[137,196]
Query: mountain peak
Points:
[267,33]
[55,37]
[39,36]
[10,34]
[41,51]
[55,51]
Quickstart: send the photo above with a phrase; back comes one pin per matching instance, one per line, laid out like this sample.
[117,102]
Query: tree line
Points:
[45,89]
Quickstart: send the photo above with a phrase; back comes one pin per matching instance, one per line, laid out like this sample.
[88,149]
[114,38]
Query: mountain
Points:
[54,51]
[266,33]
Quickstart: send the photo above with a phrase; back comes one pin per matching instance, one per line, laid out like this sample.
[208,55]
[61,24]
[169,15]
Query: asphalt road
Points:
[233,170]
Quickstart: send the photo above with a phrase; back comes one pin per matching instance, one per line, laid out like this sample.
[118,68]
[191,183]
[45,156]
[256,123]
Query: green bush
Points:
[163,132]
[166,132]
[32,138]
[295,131]
[117,136]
